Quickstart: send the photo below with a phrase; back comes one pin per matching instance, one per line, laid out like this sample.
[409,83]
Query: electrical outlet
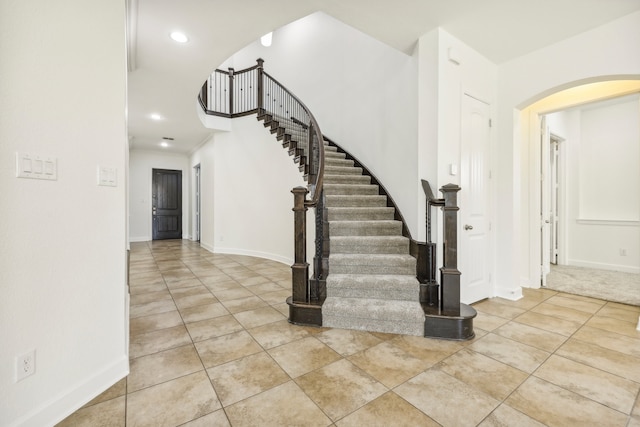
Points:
[25,365]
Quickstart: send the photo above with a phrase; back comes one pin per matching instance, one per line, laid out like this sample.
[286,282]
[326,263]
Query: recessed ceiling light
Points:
[156,116]
[179,37]
[164,144]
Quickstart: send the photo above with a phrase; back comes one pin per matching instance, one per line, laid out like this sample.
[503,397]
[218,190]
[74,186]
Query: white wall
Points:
[141,165]
[604,53]
[63,242]
[602,157]
[246,182]
[362,92]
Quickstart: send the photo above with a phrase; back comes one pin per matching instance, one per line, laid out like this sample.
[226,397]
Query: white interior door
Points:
[474,230]
[545,201]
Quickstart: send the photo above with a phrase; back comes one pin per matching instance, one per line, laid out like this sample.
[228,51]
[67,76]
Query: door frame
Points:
[541,199]
[180,188]
[197,208]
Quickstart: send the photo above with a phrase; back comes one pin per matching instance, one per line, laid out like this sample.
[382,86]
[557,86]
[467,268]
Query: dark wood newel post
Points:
[231,71]
[259,85]
[300,268]
[450,275]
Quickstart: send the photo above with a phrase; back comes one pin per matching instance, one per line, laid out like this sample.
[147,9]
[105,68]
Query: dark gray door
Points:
[167,204]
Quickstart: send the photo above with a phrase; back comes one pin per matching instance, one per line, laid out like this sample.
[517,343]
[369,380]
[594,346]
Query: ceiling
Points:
[164,77]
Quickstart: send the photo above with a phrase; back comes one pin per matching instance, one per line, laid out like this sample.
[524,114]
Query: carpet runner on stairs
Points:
[372,281]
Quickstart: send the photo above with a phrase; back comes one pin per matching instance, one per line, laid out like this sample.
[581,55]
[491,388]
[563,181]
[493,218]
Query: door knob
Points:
[468,227]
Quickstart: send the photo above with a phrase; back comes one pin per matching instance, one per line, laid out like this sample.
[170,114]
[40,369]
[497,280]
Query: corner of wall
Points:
[512,294]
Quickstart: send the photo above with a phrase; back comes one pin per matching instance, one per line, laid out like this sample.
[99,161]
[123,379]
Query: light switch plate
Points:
[107,176]
[36,166]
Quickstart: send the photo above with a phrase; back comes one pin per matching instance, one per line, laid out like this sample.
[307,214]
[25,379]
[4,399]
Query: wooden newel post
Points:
[260,84]
[300,268]
[449,273]
[231,97]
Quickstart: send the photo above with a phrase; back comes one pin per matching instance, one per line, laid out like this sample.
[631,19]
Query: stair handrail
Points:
[314,129]
[244,92]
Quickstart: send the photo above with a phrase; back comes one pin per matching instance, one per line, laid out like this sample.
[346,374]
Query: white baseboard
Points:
[257,254]
[74,398]
[207,247]
[512,294]
[604,266]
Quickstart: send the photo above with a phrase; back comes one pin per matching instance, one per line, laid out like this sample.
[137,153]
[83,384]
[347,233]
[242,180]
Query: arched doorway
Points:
[536,176]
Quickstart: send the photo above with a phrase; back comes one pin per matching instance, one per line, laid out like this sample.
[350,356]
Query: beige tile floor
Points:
[211,346]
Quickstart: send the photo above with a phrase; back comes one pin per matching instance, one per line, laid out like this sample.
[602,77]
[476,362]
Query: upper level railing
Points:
[253,91]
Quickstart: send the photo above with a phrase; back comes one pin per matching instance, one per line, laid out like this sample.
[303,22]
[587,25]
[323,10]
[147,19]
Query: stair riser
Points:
[373,269]
[384,326]
[363,248]
[349,189]
[343,163]
[355,201]
[357,228]
[347,179]
[394,295]
[357,214]
[334,155]
[337,170]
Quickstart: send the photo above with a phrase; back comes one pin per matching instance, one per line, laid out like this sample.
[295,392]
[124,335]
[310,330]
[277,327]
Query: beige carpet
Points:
[603,284]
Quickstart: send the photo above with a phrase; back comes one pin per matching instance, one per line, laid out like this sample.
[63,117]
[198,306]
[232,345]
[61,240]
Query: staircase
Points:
[372,281]
[364,276]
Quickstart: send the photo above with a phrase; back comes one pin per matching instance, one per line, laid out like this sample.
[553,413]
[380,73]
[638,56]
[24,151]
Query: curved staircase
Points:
[365,276]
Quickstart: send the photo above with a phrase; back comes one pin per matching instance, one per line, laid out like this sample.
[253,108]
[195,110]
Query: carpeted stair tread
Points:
[333,155]
[347,189]
[372,264]
[344,163]
[346,179]
[394,286]
[342,170]
[369,244]
[365,228]
[355,201]
[360,214]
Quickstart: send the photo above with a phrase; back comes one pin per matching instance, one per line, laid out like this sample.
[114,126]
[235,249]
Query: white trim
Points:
[140,239]
[69,401]
[512,294]
[132,35]
[613,222]
[603,266]
[257,254]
